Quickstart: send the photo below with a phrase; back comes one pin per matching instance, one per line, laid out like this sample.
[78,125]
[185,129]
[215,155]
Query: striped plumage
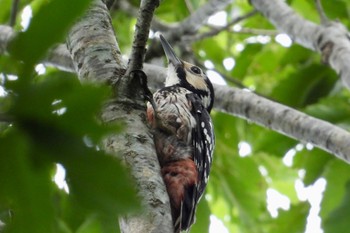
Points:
[183,135]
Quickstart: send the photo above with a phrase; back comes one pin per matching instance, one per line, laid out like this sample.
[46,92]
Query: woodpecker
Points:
[183,135]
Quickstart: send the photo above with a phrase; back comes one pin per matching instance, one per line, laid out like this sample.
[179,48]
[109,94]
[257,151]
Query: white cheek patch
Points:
[172,78]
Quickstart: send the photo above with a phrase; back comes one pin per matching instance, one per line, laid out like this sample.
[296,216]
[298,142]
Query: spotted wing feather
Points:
[203,144]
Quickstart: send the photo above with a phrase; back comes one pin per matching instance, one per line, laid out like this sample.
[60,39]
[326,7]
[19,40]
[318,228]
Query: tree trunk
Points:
[97,58]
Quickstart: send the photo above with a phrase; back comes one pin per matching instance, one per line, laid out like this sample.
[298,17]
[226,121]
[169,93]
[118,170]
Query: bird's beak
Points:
[169,52]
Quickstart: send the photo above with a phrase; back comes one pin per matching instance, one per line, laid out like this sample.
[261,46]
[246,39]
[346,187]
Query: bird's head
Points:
[188,76]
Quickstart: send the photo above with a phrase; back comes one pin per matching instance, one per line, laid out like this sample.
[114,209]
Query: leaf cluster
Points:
[49,121]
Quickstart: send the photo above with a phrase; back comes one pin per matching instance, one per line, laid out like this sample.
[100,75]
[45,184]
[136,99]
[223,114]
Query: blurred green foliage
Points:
[52,119]
[52,114]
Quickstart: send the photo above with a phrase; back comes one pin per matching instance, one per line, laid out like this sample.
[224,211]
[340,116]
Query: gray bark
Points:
[285,120]
[101,62]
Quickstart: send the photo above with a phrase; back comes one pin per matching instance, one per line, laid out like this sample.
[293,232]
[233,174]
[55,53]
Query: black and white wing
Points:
[203,142]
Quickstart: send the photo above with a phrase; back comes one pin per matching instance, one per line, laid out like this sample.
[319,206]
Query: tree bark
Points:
[285,120]
[97,58]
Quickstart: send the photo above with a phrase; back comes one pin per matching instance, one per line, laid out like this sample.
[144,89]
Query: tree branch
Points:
[191,24]
[188,26]
[261,111]
[143,24]
[331,39]
[323,17]
[14,10]
[255,31]
[6,34]
[284,120]
[59,57]
[97,58]
[216,30]
[278,117]
[93,47]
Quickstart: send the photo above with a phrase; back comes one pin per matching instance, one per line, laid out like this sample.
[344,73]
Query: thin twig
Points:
[14,10]
[109,3]
[256,31]
[143,24]
[232,80]
[189,6]
[191,24]
[216,30]
[323,17]
[239,84]
[188,26]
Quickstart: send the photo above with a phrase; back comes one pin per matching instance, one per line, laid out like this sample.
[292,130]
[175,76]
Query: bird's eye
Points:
[196,70]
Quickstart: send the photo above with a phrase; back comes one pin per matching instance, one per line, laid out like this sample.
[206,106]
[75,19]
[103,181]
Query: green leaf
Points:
[215,49]
[307,86]
[25,187]
[38,103]
[291,221]
[91,225]
[5,10]
[337,175]
[226,136]
[177,8]
[125,27]
[338,219]
[248,196]
[237,189]
[296,55]
[263,140]
[46,28]
[245,60]
[6,7]
[307,10]
[279,176]
[9,65]
[335,10]
[314,162]
[98,183]
[334,109]
[202,217]
[109,190]
[258,21]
